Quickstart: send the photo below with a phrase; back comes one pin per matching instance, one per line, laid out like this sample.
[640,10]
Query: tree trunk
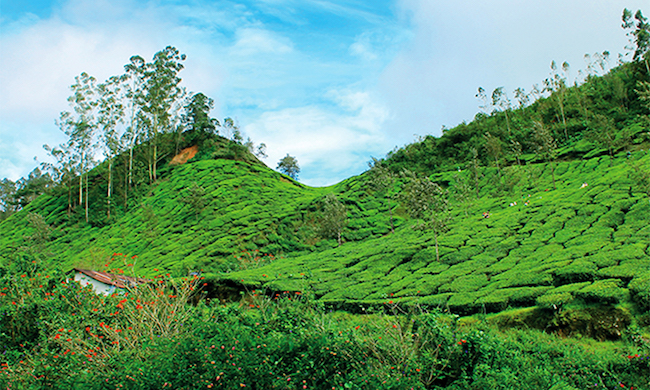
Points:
[81,188]
[110,171]
[69,196]
[339,236]
[127,178]
[86,198]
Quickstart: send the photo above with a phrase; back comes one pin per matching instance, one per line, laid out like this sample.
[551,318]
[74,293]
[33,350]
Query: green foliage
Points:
[195,197]
[334,217]
[62,335]
[289,166]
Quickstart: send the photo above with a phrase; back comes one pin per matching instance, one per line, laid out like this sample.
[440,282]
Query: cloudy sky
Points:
[331,82]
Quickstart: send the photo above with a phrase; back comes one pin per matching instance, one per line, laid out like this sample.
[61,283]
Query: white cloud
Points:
[459,46]
[254,41]
[326,142]
[330,97]
[363,48]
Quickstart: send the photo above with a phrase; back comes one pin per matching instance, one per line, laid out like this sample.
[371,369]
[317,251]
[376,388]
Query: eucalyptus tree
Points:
[595,61]
[522,97]
[80,126]
[230,129]
[556,85]
[485,104]
[161,99]
[64,170]
[109,117]
[500,100]
[7,198]
[132,89]
[639,36]
[427,202]
[259,151]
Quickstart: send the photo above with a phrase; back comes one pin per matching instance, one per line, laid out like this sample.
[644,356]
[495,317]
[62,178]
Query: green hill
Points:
[246,226]
[544,251]
[553,246]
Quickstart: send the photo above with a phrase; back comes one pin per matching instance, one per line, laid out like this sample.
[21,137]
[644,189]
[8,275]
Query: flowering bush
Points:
[54,333]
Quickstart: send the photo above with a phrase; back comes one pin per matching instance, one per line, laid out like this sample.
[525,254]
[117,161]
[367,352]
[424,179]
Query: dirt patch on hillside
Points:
[184,155]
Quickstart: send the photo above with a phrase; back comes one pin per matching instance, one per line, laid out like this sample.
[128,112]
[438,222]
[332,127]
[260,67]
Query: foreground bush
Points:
[56,334]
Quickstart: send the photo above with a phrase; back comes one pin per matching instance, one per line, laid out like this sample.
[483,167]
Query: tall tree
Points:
[500,100]
[426,201]
[522,97]
[110,115]
[289,166]
[80,127]
[197,121]
[133,86]
[556,85]
[7,198]
[64,170]
[161,99]
[485,104]
[639,37]
[29,188]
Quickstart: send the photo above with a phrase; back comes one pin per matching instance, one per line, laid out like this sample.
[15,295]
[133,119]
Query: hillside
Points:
[245,226]
[588,243]
[540,217]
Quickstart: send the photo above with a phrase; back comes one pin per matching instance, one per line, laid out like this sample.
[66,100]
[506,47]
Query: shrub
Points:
[607,291]
[640,290]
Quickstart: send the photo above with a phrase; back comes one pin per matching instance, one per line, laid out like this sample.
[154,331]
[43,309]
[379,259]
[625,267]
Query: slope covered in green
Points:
[589,243]
[578,230]
[239,206]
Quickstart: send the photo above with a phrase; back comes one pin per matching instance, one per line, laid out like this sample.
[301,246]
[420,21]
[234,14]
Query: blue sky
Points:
[331,82]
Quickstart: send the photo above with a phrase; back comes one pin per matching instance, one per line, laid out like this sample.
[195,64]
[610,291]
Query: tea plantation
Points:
[575,242]
[530,268]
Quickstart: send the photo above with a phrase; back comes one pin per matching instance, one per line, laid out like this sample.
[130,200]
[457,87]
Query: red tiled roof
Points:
[119,281]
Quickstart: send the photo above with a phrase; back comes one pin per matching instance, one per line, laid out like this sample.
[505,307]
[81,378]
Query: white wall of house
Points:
[99,287]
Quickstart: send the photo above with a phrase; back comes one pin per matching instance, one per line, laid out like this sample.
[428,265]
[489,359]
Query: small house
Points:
[104,282]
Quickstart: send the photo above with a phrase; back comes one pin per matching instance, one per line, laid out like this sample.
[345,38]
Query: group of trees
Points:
[608,109]
[111,118]
[129,124]
[16,195]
